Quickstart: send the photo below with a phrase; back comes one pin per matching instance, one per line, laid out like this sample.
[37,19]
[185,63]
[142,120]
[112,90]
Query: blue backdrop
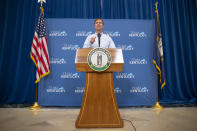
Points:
[178,25]
[136,85]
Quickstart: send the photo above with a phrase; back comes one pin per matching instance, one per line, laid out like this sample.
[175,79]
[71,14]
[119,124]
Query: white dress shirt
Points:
[105,41]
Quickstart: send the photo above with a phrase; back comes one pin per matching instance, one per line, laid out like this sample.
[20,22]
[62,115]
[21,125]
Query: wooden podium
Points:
[99,108]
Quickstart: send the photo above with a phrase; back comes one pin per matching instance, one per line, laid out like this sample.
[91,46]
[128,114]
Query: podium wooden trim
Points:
[99,107]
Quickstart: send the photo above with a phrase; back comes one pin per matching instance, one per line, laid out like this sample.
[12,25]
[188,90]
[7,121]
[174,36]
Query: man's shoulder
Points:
[106,35]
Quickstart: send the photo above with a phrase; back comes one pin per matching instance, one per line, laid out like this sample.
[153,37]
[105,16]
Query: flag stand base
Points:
[35,106]
[157,106]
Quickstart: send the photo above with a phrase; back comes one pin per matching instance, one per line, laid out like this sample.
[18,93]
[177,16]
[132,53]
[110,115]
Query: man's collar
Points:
[97,33]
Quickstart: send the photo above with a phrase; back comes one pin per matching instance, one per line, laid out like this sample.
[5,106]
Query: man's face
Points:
[98,25]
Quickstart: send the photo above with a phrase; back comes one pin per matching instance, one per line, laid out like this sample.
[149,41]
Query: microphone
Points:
[99,36]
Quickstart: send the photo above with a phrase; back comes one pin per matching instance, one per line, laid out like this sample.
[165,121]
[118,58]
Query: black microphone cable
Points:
[131,124]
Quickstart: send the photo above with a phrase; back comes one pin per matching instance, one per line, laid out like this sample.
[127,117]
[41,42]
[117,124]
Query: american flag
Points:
[39,50]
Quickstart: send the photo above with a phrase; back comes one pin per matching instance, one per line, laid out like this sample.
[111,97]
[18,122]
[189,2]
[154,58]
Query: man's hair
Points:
[98,19]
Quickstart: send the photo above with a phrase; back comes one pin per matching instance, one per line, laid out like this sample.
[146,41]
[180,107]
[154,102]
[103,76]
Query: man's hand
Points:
[92,39]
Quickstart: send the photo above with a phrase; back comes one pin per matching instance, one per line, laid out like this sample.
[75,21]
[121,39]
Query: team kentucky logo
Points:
[99,59]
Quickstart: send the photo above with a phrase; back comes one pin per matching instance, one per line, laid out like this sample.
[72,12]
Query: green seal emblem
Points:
[99,59]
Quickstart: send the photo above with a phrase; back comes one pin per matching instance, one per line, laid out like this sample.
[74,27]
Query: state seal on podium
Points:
[99,59]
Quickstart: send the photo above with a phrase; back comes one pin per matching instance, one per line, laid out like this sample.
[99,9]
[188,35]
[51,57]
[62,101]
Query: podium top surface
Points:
[81,60]
[82,54]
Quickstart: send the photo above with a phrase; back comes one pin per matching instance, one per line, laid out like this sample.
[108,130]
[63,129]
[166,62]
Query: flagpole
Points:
[36,105]
[157,105]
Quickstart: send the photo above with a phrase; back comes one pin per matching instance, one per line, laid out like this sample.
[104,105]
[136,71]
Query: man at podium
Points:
[99,39]
[99,108]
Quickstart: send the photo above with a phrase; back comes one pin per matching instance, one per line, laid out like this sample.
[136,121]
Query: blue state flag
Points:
[158,58]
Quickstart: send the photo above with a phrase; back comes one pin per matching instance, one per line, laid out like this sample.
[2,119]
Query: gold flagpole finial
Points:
[41,2]
[156,4]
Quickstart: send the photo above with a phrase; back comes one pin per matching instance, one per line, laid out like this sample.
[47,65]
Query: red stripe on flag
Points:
[45,52]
